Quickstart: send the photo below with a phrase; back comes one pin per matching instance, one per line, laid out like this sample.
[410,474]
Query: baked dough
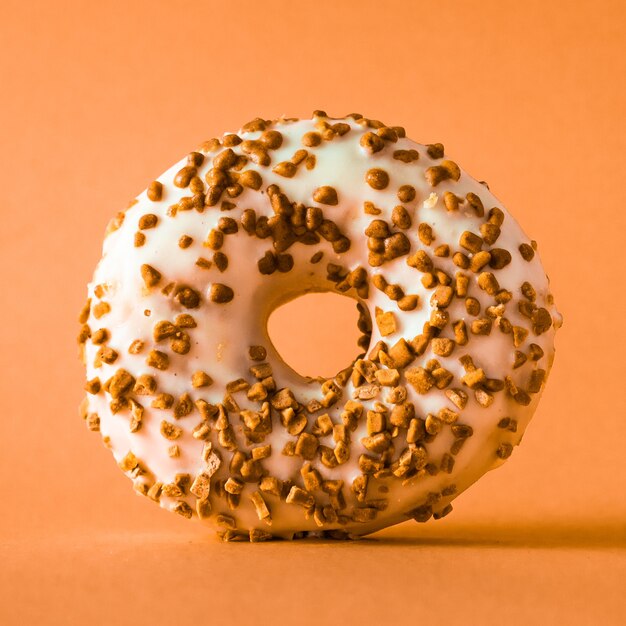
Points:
[199,409]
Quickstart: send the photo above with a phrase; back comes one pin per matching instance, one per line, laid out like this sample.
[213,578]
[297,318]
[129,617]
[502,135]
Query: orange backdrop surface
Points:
[100,97]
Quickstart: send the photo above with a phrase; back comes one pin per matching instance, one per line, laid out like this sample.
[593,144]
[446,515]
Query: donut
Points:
[201,412]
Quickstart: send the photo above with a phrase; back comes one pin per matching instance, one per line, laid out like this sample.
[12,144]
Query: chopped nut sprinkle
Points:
[425,233]
[527,252]
[101,309]
[201,379]
[287,169]
[420,378]
[257,353]
[377,178]
[311,139]
[100,336]
[474,378]
[155,191]
[504,450]
[438,173]
[221,294]
[488,282]
[158,359]
[420,261]
[535,352]
[479,260]
[183,406]
[183,176]
[537,378]
[148,221]
[406,156]
[442,296]
[372,142]
[406,193]
[470,241]
[261,507]
[272,139]
[151,277]
[120,383]
[435,150]
[187,297]
[306,446]
[105,355]
[251,179]
[442,346]
[386,322]
[170,431]
[541,321]
[298,496]
[163,401]
[326,195]
[93,386]
[499,258]
[508,424]
[129,462]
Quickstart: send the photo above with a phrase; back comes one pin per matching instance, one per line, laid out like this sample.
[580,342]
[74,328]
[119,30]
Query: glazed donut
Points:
[194,401]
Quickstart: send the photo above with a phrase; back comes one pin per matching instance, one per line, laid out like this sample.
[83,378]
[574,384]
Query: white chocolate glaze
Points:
[224,331]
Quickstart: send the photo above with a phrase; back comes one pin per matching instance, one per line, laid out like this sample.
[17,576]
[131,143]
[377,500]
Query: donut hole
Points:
[318,334]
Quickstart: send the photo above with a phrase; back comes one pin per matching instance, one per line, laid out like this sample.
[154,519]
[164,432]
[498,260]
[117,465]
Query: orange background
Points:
[99,97]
